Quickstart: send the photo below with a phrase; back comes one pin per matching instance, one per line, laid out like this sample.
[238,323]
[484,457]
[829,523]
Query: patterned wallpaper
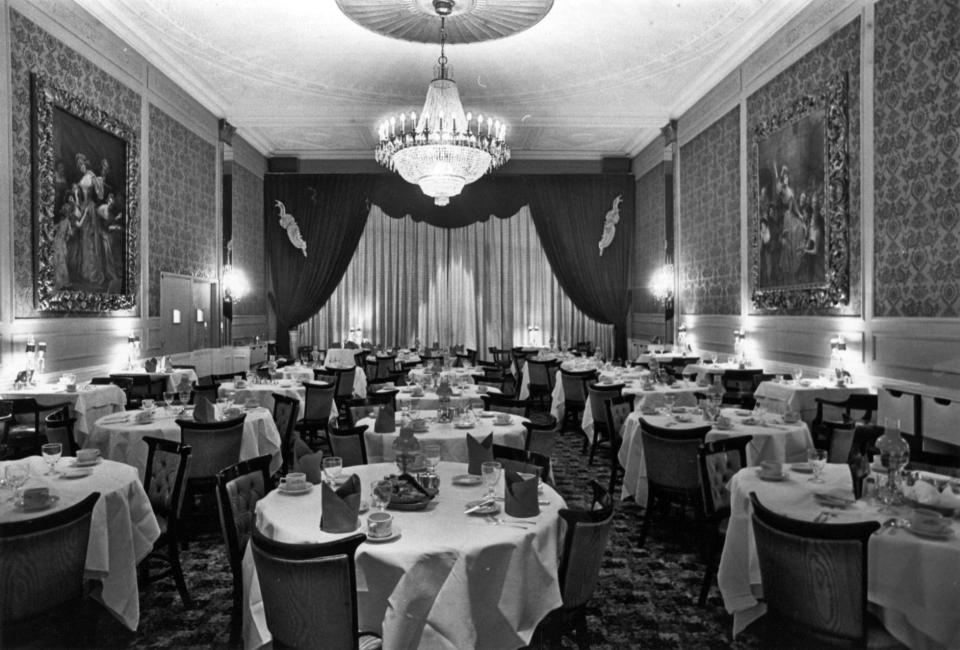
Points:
[710,219]
[810,76]
[34,50]
[182,193]
[248,239]
[648,239]
[916,132]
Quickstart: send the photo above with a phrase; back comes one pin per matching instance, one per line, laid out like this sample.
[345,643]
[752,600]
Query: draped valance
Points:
[570,212]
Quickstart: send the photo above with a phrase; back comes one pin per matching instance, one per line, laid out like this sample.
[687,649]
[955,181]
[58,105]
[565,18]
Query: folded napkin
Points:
[478,452]
[520,495]
[204,411]
[340,507]
[150,365]
[385,420]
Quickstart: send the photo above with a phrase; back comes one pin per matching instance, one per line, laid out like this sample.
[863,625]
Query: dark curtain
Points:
[569,214]
[331,213]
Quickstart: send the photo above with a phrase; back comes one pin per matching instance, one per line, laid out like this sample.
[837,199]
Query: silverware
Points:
[500,521]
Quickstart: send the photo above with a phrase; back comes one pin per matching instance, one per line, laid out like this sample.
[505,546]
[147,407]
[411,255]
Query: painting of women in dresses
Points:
[790,164]
[89,241]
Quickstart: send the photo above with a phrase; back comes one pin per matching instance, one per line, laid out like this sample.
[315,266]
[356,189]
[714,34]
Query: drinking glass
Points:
[380,493]
[168,396]
[431,453]
[490,470]
[51,454]
[668,401]
[184,398]
[332,465]
[17,475]
[818,461]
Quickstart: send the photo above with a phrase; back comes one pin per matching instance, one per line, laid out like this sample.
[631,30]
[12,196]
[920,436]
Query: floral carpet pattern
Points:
[646,597]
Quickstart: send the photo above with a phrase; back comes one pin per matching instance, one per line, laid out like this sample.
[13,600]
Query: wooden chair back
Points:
[719,461]
[671,457]
[216,445]
[348,444]
[318,401]
[523,461]
[168,465]
[584,544]
[599,394]
[503,404]
[285,411]
[59,427]
[575,384]
[541,434]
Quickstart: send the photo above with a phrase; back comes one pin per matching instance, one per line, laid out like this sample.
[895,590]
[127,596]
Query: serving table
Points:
[913,583]
[773,439]
[801,396]
[120,438]
[449,580]
[122,531]
[451,438]
[88,402]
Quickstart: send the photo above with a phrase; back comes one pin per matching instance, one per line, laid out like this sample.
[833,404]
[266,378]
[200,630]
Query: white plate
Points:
[86,463]
[467,479]
[487,414]
[938,534]
[764,476]
[394,534]
[293,493]
[743,413]
[463,425]
[77,472]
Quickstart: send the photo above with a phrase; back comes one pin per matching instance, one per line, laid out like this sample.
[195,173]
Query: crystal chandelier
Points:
[443,149]
[661,283]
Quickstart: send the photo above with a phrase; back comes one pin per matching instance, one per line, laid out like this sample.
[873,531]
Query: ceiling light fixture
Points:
[443,149]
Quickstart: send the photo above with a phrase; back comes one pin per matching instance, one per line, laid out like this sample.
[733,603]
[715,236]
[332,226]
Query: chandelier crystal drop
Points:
[443,148]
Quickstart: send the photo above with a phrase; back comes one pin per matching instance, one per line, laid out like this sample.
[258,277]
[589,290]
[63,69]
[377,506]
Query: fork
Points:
[499,521]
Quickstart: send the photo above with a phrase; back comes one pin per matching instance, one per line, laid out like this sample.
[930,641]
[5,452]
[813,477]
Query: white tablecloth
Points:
[345,357]
[296,373]
[449,581]
[772,440]
[802,397]
[119,438]
[653,398]
[453,375]
[174,377]
[914,582]
[452,440]
[89,402]
[706,371]
[122,532]
[467,396]
[263,394]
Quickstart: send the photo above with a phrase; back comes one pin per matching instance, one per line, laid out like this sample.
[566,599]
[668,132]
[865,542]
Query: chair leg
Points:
[597,433]
[648,515]
[173,550]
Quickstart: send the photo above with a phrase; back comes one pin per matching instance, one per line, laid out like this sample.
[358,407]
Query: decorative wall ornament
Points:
[800,257]
[86,192]
[288,223]
[610,222]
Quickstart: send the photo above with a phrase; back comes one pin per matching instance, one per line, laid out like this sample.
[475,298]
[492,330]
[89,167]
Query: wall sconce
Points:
[739,335]
[661,284]
[176,317]
[31,357]
[41,356]
[838,344]
[682,337]
[235,285]
[133,350]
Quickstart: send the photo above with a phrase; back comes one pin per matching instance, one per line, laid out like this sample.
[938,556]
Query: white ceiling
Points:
[594,78]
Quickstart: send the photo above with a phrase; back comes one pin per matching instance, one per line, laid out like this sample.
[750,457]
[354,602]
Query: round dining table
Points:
[464,396]
[451,437]
[89,402]
[262,394]
[122,531]
[120,437]
[449,580]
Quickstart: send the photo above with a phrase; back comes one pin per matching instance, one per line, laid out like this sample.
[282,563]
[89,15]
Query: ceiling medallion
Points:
[444,149]
[475,20]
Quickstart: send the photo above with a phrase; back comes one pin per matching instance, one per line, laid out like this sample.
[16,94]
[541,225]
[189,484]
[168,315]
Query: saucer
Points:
[467,479]
[803,468]
[503,422]
[53,498]
[722,427]
[832,501]
[682,417]
[487,414]
[86,463]
[942,533]
[765,476]
[76,472]
[303,490]
[742,413]
[394,534]
[463,425]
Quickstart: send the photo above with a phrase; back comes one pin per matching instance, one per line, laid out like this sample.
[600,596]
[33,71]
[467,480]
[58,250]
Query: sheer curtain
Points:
[481,285]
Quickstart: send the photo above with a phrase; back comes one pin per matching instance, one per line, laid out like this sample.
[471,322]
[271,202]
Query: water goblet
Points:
[332,466]
[431,452]
[17,475]
[168,396]
[669,400]
[490,471]
[818,461]
[184,399]
[51,454]
[380,493]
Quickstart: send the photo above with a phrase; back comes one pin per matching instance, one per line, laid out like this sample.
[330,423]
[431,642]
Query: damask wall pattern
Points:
[248,239]
[648,238]
[710,219]
[182,203]
[916,133]
[811,75]
[34,50]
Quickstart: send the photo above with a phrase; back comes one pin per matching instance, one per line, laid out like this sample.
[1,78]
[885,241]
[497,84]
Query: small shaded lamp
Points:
[838,345]
[41,356]
[682,337]
[739,335]
[133,350]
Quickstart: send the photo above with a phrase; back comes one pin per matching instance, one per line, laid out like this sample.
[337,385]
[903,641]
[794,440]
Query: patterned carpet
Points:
[646,597]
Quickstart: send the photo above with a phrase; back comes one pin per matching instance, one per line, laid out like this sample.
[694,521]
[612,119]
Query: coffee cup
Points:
[294,481]
[501,418]
[927,521]
[724,421]
[772,467]
[87,455]
[380,524]
[71,388]
[36,497]
[148,404]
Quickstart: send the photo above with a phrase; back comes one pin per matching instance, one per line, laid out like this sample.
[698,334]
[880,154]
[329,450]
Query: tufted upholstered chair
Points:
[58,427]
[239,488]
[719,461]
[618,410]
[168,464]
[348,443]
[47,592]
[575,394]
[598,394]
[285,411]
[542,378]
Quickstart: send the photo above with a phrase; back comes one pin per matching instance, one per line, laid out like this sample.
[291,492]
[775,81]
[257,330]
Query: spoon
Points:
[890,524]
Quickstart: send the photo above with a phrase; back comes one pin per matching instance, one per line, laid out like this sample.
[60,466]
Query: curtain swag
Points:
[568,212]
